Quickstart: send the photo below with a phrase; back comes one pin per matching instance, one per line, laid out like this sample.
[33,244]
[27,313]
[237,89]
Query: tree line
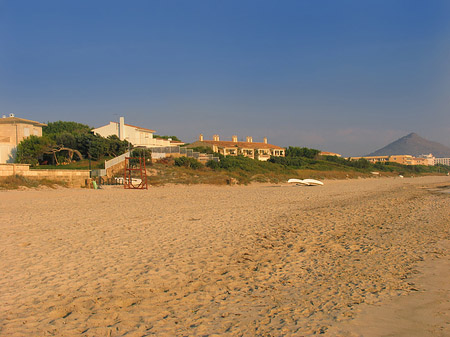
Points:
[63,142]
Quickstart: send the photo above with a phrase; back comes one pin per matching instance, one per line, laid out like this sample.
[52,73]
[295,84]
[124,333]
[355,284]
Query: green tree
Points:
[142,153]
[188,162]
[63,127]
[293,151]
[33,148]
[116,146]
[202,149]
[167,137]
[65,139]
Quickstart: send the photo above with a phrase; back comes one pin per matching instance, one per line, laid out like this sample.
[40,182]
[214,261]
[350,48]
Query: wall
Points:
[73,178]
[445,161]
[7,153]
[116,170]
[12,134]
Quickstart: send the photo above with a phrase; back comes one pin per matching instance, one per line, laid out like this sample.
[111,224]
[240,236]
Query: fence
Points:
[160,152]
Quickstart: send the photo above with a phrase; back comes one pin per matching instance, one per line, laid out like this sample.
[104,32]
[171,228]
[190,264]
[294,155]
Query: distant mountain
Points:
[413,145]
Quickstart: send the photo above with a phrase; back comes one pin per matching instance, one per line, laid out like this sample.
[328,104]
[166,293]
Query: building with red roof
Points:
[255,150]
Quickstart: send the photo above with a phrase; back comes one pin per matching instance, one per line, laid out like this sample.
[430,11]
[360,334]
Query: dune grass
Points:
[241,170]
[165,173]
[17,181]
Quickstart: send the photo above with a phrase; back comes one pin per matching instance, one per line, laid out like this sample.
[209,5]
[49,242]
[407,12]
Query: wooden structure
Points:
[135,165]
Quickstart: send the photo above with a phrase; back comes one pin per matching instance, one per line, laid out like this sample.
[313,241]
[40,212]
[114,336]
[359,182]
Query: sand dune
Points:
[203,260]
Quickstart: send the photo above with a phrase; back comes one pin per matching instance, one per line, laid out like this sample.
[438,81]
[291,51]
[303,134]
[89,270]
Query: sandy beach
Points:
[260,260]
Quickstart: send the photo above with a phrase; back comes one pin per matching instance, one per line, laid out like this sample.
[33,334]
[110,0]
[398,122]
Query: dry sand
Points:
[202,260]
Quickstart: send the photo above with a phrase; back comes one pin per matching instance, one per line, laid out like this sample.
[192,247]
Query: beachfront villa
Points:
[12,131]
[136,135]
[255,150]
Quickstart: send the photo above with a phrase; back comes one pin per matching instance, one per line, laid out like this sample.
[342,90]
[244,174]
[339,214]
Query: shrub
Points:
[188,162]
[145,153]
[293,151]
[65,127]
[31,149]
[203,149]
[294,162]
[212,164]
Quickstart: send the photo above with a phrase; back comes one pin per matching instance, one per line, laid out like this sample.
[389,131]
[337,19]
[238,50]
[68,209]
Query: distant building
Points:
[373,159]
[429,159]
[404,159]
[443,161]
[255,150]
[12,131]
[136,135]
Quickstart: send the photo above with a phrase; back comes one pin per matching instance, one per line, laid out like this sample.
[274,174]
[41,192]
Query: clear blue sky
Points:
[342,76]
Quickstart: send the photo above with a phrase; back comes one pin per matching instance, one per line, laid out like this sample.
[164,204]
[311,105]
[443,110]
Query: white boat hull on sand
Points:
[296,181]
[307,182]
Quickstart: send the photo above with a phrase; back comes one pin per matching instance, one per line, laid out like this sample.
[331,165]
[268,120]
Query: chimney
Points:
[216,138]
[11,115]
[265,140]
[200,137]
[121,128]
[234,138]
[249,139]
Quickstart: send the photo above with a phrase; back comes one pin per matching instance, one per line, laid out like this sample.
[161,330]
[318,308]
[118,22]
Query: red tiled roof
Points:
[242,145]
[138,127]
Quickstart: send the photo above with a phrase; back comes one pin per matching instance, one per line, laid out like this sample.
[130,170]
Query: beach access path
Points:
[259,260]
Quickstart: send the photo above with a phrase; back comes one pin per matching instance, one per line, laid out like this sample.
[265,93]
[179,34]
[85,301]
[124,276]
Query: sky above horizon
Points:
[345,76]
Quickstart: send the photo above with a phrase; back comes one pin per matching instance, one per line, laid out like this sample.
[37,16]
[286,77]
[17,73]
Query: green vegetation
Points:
[175,138]
[59,127]
[310,164]
[309,159]
[31,149]
[64,142]
[18,181]
[245,170]
[143,153]
[298,152]
[74,145]
[202,149]
[76,165]
[188,162]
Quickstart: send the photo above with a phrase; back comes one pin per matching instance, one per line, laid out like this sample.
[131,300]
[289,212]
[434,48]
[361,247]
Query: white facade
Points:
[7,153]
[136,135]
[429,158]
[12,131]
[445,161]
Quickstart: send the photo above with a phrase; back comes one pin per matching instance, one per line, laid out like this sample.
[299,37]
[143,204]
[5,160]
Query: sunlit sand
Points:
[205,260]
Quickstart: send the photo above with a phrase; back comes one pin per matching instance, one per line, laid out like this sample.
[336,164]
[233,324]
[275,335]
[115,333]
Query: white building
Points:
[444,161]
[12,131]
[429,159]
[136,135]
